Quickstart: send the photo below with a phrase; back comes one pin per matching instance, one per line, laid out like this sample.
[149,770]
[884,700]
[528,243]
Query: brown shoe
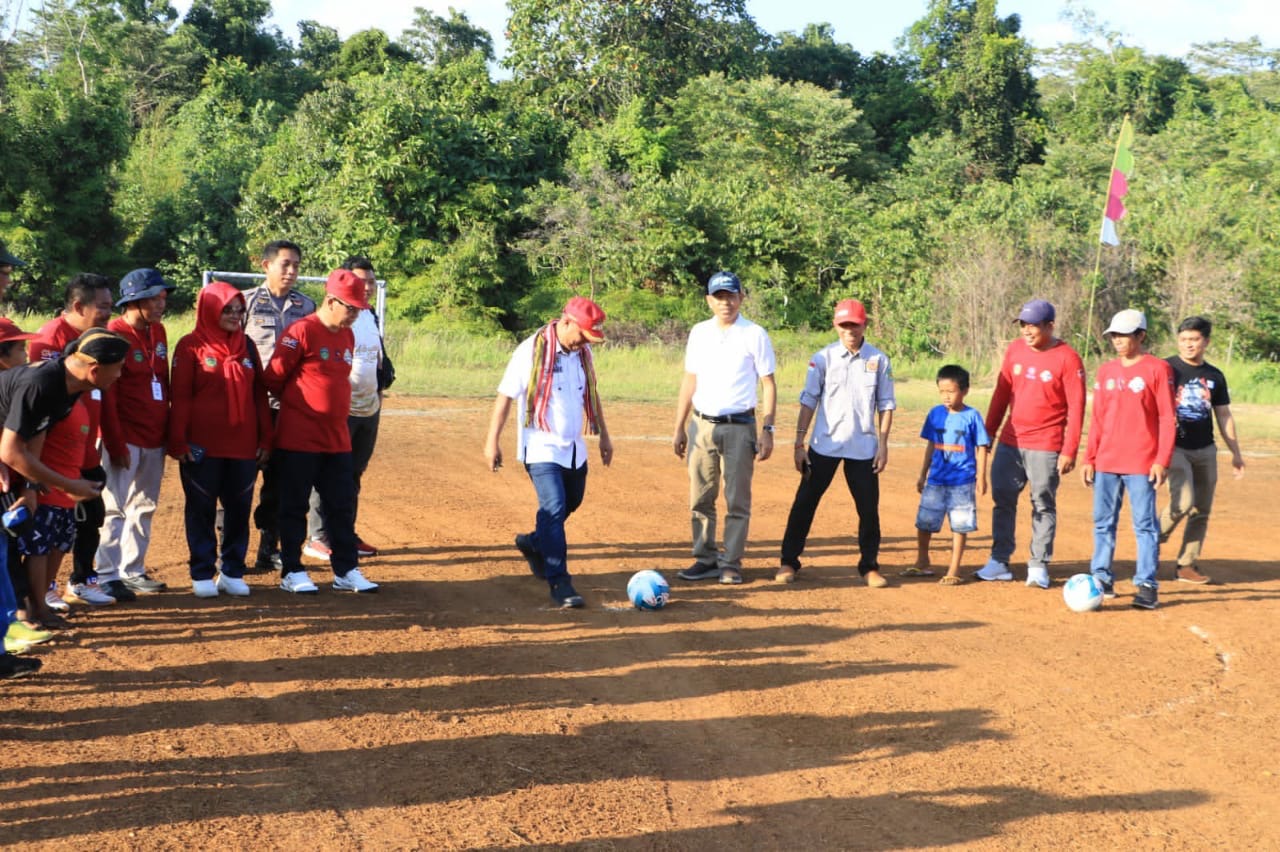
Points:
[786,574]
[1189,574]
[875,579]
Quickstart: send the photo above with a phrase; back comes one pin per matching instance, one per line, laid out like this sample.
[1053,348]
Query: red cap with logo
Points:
[347,287]
[9,331]
[588,315]
[850,310]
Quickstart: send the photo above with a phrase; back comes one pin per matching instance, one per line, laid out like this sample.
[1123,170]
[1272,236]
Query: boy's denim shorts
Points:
[957,503]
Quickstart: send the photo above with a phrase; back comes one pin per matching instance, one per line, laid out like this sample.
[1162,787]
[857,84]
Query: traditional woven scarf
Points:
[545,346]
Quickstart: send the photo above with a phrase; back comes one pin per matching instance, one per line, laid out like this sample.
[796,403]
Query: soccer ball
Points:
[1082,593]
[648,590]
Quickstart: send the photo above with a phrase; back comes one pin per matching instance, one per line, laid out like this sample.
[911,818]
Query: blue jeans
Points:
[560,491]
[8,600]
[1108,494]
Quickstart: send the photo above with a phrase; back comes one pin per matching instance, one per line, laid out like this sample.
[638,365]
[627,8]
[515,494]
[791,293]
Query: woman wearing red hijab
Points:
[219,431]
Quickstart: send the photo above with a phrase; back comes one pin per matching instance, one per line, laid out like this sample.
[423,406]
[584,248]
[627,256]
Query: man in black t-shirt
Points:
[32,399]
[1200,396]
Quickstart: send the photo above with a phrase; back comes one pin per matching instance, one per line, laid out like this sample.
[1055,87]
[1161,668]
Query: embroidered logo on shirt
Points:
[50,355]
[248,363]
[161,351]
[873,364]
[1137,384]
[137,355]
[289,342]
[210,362]
[324,353]
[1017,369]
[1046,376]
[1111,384]
[346,355]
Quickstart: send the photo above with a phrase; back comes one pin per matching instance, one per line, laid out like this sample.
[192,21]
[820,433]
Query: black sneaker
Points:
[1145,598]
[118,590]
[524,544]
[11,666]
[700,571]
[144,585]
[1108,589]
[564,596]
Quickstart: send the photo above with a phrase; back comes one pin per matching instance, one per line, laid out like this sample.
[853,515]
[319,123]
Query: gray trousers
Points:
[1012,470]
[1193,477]
[717,449]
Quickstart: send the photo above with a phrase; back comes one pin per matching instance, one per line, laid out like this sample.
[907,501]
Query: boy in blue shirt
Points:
[949,476]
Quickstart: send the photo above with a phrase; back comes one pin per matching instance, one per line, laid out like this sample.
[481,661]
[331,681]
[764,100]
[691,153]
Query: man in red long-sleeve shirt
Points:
[1041,388]
[310,374]
[1131,439]
[135,418]
[87,305]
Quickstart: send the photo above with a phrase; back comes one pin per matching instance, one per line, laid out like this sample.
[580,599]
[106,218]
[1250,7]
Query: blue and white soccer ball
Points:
[1082,593]
[648,590]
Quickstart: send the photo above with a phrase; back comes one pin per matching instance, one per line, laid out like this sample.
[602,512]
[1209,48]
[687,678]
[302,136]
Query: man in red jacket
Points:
[1041,388]
[87,304]
[310,375]
[1130,446]
[135,418]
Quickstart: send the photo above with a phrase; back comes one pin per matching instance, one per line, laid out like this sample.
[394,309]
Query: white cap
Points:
[1127,322]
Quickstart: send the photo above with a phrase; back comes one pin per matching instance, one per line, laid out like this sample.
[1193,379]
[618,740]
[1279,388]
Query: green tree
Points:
[588,57]
[436,40]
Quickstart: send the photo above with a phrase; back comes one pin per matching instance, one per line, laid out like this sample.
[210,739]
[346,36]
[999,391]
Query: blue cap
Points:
[141,284]
[724,281]
[1035,312]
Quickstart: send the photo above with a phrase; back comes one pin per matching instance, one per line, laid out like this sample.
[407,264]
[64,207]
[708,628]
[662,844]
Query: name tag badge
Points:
[157,390]
[95,394]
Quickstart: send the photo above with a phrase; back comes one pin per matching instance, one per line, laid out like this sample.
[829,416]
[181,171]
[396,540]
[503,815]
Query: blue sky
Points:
[1158,26]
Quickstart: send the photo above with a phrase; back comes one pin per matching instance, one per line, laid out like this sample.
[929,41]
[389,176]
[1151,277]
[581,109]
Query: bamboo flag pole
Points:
[1114,210]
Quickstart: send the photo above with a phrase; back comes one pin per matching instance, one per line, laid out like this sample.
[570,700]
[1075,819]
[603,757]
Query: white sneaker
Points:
[233,586]
[204,588]
[54,601]
[316,549]
[299,584]
[353,581]
[1038,575]
[994,570]
[89,593]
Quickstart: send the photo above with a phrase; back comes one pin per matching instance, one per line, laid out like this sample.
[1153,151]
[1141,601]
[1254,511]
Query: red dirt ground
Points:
[457,710]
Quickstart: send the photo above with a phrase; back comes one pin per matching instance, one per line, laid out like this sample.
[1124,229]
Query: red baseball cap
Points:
[9,331]
[850,310]
[347,287]
[588,315]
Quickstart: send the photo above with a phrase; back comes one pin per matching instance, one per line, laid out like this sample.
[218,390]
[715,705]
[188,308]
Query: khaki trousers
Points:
[715,450]
[1193,477]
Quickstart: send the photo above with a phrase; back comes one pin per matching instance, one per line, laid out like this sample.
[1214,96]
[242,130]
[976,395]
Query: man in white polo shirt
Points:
[850,386]
[726,358]
[552,377]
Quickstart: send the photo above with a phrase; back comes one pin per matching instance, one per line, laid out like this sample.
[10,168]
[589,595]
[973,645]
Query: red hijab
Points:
[214,346]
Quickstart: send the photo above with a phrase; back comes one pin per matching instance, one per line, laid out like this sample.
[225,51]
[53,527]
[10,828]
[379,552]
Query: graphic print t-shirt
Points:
[1198,389]
[956,436]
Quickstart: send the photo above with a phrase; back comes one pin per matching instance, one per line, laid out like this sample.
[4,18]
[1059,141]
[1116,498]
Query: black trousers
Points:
[89,520]
[863,484]
[331,475]
[208,485]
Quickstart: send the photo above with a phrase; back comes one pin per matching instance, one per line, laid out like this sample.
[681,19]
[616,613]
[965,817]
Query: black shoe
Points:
[118,590]
[700,571]
[1108,590]
[564,596]
[1145,598]
[268,560]
[11,666]
[524,544]
[144,585]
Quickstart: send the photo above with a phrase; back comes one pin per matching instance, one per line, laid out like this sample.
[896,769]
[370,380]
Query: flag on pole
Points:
[1118,188]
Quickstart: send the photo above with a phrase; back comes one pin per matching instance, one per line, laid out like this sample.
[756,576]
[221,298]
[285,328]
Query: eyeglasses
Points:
[351,309]
[233,311]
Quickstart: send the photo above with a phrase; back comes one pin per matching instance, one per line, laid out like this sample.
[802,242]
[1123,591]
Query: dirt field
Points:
[457,710]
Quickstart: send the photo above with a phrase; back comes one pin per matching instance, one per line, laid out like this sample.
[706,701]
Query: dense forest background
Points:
[630,148]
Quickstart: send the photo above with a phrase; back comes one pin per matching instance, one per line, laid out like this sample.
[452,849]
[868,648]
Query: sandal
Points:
[913,571]
[948,580]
